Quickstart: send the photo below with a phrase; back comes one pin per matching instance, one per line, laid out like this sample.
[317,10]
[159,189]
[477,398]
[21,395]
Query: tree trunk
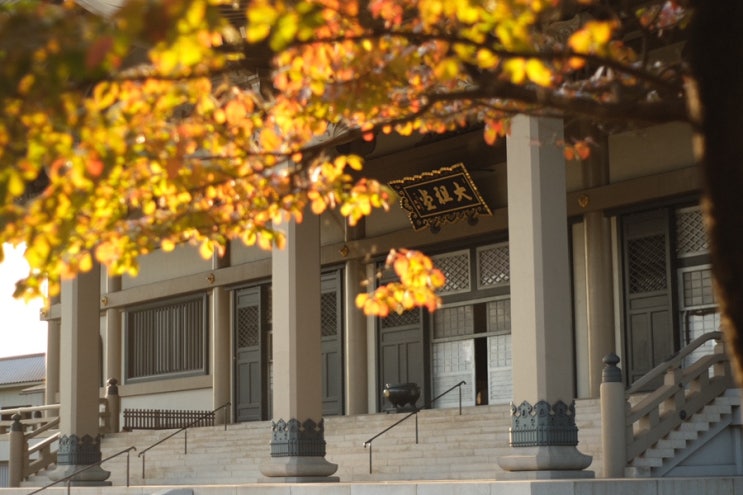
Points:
[716,50]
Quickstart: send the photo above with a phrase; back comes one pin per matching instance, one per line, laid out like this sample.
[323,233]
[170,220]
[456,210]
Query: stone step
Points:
[647,462]
[451,446]
[672,442]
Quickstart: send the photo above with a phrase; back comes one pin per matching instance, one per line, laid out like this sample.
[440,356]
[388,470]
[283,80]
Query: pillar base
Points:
[298,469]
[95,476]
[77,453]
[557,459]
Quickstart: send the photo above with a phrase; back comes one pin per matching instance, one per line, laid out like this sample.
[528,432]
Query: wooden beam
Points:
[634,191]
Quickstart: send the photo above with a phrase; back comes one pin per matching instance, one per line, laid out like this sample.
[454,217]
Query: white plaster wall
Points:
[332,227]
[186,399]
[650,150]
[12,397]
[161,265]
[332,230]
[240,253]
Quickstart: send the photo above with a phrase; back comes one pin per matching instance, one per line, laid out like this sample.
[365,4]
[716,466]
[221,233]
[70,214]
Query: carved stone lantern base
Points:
[544,439]
[298,454]
[77,453]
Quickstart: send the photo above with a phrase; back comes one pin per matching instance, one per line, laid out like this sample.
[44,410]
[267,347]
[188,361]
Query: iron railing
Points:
[414,412]
[143,453]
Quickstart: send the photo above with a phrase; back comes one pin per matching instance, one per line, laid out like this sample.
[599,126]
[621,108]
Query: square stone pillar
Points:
[298,439]
[80,380]
[543,431]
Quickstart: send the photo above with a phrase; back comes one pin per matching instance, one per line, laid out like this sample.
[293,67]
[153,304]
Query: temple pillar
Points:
[355,341]
[543,433]
[80,380]
[113,347]
[298,439]
[220,310]
[219,307]
[354,328]
[599,295]
[51,395]
[597,273]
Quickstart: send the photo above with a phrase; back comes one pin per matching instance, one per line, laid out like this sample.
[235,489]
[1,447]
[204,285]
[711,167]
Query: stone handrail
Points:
[34,416]
[685,391]
[674,361]
[45,456]
[21,466]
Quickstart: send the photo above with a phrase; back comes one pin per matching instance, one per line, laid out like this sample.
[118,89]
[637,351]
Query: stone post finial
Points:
[112,387]
[612,373]
[17,425]
[113,405]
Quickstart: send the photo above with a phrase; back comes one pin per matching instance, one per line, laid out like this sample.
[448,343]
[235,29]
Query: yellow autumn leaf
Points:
[447,68]
[487,59]
[206,250]
[86,263]
[516,68]
[284,31]
[355,162]
[261,18]
[538,73]
[592,38]
[15,183]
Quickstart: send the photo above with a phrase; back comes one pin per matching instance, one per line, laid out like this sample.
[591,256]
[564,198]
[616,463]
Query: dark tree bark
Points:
[716,50]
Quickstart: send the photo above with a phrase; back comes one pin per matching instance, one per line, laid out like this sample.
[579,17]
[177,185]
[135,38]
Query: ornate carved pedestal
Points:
[544,439]
[77,453]
[298,453]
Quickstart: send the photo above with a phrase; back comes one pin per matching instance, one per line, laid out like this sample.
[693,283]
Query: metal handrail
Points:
[459,386]
[69,477]
[184,429]
[414,412]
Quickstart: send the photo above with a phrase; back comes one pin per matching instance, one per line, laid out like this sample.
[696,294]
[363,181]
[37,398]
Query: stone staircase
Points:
[451,447]
[688,438]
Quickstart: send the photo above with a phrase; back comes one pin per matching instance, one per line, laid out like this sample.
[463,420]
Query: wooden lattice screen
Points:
[164,419]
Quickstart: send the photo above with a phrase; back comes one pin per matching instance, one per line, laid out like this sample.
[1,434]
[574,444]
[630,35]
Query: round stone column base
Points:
[298,469]
[545,458]
[95,476]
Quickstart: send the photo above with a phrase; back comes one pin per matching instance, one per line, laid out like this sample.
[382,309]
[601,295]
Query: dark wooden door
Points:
[649,333]
[250,364]
[331,316]
[401,353]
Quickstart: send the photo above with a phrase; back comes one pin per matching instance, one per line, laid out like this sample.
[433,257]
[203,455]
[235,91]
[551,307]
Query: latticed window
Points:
[248,326]
[499,316]
[453,322]
[647,264]
[329,313]
[456,268]
[691,238]
[493,268]
[697,287]
[167,339]
[408,318]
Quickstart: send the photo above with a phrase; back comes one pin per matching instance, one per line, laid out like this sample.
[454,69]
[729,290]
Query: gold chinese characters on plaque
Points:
[444,195]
